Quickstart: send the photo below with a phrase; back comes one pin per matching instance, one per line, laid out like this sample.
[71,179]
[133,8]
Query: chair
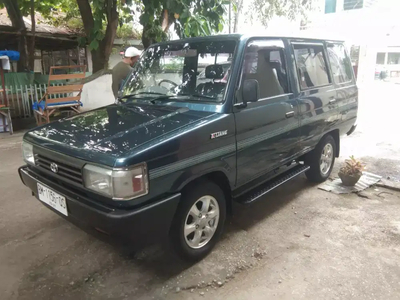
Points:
[69,95]
[5,115]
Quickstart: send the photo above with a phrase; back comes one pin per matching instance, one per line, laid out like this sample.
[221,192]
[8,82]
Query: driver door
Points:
[267,129]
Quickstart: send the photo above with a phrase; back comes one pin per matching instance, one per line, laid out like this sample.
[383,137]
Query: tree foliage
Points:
[100,21]
[189,18]
[264,10]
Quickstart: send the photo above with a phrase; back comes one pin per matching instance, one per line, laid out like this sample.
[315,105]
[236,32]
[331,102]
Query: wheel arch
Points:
[336,137]
[219,177]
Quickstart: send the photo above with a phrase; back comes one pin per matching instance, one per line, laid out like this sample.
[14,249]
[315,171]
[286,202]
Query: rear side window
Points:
[340,63]
[311,65]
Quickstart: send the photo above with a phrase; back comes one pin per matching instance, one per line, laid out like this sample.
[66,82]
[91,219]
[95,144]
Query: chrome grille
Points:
[71,173]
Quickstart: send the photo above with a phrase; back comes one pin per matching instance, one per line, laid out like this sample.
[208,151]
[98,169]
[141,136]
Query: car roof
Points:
[235,36]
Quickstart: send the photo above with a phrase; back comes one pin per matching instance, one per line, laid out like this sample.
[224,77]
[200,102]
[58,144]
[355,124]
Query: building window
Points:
[352,4]
[380,58]
[330,6]
[393,58]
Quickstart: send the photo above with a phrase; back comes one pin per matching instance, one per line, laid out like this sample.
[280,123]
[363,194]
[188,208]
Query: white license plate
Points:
[52,198]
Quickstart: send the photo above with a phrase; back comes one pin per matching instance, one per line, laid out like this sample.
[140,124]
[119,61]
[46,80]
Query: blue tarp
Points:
[12,55]
[42,104]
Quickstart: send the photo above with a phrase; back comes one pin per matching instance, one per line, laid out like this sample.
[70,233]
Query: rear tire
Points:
[197,226]
[321,160]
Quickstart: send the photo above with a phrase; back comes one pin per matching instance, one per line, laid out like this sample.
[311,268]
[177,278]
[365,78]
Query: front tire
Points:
[321,160]
[199,220]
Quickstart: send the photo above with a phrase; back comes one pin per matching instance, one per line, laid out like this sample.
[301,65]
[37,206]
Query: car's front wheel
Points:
[199,220]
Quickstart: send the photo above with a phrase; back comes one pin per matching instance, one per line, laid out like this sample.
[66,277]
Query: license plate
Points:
[52,198]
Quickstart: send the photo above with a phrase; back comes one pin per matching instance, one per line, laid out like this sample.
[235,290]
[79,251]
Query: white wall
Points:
[97,93]
[114,59]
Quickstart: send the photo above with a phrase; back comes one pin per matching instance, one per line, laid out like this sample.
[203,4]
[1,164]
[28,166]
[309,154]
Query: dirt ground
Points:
[298,242]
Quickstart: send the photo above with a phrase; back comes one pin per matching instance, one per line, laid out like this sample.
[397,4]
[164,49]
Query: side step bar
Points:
[265,188]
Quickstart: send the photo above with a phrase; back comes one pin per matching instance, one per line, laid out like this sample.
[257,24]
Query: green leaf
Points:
[220,27]
[207,27]
[99,35]
[81,41]
[185,14]
[94,45]
[187,30]
[144,19]
[234,7]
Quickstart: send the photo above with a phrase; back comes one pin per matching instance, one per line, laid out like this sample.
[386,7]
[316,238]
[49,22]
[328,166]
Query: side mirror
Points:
[250,90]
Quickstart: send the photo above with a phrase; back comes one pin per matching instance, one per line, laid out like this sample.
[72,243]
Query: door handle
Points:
[289,114]
[332,101]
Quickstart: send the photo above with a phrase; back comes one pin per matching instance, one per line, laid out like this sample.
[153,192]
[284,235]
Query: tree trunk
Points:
[107,43]
[101,55]
[17,22]
[99,60]
[239,6]
[31,50]
[146,40]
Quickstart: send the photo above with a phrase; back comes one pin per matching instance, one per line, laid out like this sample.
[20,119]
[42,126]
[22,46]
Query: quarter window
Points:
[340,63]
[311,65]
[265,62]
[380,58]
[393,58]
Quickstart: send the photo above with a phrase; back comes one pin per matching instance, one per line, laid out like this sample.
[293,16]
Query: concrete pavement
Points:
[297,243]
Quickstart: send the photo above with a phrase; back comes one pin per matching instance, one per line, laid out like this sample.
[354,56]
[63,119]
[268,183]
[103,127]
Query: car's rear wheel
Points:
[321,160]
[199,220]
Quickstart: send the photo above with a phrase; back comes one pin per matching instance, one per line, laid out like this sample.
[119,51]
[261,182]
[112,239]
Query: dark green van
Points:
[199,123]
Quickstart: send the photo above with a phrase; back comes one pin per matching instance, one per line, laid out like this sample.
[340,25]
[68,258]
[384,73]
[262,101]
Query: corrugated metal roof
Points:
[42,25]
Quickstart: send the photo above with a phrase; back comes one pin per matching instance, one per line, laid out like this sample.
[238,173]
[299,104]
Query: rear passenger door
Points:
[317,96]
[343,78]
[266,130]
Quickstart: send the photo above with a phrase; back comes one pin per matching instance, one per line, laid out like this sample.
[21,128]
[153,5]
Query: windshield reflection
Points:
[184,72]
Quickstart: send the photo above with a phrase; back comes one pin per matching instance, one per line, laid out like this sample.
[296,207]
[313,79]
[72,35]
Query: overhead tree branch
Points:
[87,15]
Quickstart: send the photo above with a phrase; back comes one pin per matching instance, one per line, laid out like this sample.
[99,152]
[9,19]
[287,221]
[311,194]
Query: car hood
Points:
[116,129]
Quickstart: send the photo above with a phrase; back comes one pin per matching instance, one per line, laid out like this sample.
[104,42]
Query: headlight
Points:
[119,184]
[27,153]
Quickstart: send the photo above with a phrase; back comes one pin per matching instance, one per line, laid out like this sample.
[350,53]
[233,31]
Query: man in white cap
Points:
[123,68]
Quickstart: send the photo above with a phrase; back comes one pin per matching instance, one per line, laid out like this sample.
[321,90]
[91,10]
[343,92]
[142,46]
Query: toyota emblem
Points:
[54,167]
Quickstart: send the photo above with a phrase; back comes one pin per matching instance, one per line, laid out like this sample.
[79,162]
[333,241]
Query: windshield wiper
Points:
[164,97]
[184,95]
[141,93]
[198,95]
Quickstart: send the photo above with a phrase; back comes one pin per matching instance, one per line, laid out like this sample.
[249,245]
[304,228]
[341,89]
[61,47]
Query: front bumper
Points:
[139,226]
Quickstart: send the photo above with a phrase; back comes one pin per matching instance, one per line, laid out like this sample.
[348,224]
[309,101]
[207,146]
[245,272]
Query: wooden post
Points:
[52,58]
[42,62]
[86,60]
[79,55]
[3,83]
[69,53]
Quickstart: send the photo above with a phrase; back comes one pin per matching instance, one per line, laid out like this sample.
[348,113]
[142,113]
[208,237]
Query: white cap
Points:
[132,52]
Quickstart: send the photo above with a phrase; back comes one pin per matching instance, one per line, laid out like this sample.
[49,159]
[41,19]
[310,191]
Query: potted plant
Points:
[351,172]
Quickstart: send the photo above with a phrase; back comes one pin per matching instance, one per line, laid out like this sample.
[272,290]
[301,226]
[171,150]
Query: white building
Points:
[371,27]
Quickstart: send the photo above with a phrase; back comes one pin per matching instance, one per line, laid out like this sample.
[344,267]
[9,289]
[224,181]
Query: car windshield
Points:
[194,71]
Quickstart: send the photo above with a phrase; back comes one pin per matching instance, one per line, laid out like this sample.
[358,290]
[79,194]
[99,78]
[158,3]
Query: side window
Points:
[265,62]
[311,65]
[340,63]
